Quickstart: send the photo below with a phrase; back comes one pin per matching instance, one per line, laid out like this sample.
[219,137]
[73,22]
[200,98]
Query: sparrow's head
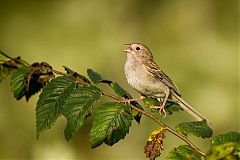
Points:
[138,51]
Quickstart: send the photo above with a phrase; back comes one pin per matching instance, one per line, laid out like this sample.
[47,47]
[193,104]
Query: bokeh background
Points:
[195,42]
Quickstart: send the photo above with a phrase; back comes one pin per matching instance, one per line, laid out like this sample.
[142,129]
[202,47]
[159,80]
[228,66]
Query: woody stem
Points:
[169,129]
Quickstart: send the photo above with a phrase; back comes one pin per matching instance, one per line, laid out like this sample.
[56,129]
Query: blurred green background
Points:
[195,42]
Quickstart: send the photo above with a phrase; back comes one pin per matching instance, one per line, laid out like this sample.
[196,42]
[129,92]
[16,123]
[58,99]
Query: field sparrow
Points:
[145,76]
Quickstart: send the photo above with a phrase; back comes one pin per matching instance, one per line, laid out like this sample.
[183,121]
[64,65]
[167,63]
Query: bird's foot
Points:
[128,101]
[161,110]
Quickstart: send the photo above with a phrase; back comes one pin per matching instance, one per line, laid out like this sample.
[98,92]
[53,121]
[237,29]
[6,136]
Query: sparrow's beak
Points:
[128,49]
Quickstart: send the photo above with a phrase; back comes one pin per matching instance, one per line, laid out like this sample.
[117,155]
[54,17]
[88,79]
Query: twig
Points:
[19,61]
[185,139]
[58,72]
[66,74]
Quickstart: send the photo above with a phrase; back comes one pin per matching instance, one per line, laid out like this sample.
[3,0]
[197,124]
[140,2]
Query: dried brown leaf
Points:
[155,144]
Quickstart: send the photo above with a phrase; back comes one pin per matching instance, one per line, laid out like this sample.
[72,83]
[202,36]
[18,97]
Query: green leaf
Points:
[183,152]
[8,64]
[119,90]
[123,93]
[151,102]
[198,128]
[51,101]
[78,76]
[78,106]
[170,107]
[111,123]
[69,71]
[226,138]
[96,77]
[136,115]
[227,151]
[17,82]
[225,146]
[4,71]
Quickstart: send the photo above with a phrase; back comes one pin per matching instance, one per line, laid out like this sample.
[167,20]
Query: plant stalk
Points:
[169,129]
[185,139]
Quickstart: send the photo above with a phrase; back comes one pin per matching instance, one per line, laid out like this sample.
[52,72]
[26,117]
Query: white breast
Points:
[139,78]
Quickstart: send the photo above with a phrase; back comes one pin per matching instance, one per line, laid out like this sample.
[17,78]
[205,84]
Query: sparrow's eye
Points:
[138,48]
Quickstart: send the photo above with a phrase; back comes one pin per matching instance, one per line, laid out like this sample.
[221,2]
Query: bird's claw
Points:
[161,110]
[126,101]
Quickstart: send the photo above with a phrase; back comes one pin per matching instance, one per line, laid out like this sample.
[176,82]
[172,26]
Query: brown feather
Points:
[155,70]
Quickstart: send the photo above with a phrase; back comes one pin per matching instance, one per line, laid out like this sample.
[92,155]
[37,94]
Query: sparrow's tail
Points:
[189,108]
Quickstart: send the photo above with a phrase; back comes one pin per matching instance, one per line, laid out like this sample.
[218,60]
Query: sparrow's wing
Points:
[154,70]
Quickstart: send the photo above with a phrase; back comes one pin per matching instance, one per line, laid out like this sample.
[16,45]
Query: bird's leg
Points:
[161,108]
[128,101]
